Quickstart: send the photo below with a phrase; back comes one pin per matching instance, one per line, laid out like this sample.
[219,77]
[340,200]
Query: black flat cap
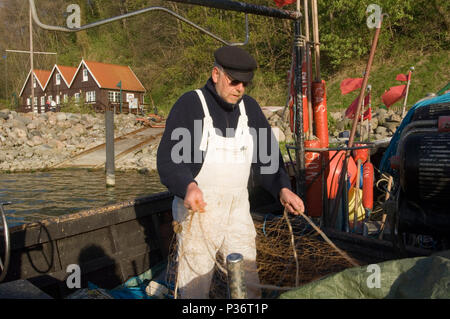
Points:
[236,62]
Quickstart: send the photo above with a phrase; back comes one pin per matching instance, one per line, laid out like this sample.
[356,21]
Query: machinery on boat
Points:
[420,166]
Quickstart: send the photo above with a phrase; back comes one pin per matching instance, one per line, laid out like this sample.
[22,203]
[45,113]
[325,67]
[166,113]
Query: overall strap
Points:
[207,122]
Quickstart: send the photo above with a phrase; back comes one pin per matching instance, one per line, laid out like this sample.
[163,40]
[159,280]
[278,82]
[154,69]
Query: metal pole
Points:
[109,131]
[121,99]
[31,62]
[300,144]
[308,70]
[236,283]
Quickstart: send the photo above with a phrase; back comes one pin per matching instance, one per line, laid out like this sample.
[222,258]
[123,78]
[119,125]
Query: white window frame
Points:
[42,100]
[77,97]
[35,101]
[58,99]
[58,79]
[90,96]
[28,101]
[50,98]
[114,96]
[85,75]
[34,81]
[65,98]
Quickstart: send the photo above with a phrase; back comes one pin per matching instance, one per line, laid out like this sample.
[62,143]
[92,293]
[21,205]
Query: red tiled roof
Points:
[109,75]
[42,76]
[67,72]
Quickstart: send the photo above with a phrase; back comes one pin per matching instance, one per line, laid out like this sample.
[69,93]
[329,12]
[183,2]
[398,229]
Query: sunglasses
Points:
[233,82]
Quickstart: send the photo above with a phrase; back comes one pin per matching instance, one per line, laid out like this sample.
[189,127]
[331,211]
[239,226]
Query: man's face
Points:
[228,89]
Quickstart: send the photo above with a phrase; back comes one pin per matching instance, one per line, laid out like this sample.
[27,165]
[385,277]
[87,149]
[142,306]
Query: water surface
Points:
[39,195]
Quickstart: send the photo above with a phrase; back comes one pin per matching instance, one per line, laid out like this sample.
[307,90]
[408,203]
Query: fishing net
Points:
[279,267]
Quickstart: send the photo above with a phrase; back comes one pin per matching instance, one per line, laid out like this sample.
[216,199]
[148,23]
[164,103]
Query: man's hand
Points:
[194,198]
[291,201]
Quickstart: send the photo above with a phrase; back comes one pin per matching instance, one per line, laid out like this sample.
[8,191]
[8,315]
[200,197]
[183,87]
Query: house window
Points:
[65,98]
[58,99]
[58,79]
[28,101]
[114,96]
[85,75]
[35,102]
[90,96]
[42,100]
[34,81]
[50,98]
[77,97]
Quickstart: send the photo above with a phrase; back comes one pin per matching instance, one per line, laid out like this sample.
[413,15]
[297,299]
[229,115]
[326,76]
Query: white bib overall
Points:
[226,225]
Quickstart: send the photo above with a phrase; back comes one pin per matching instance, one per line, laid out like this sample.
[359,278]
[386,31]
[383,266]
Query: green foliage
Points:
[171,57]
[72,106]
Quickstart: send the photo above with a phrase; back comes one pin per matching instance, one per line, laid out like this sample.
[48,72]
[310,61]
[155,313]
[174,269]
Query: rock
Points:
[24,119]
[37,140]
[381,130]
[61,117]
[20,132]
[79,129]
[35,133]
[395,118]
[391,126]
[56,144]
[374,123]
[62,137]
[52,121]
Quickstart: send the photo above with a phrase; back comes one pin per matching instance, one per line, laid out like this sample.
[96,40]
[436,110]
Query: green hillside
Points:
[171,57]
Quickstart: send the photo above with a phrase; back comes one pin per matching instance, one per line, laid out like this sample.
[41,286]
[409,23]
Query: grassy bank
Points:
[430,75]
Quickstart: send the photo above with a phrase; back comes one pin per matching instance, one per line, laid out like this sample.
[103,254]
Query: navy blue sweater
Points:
[177,176]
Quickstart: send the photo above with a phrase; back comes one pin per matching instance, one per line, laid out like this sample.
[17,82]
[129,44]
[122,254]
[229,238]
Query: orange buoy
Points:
[313,166]
[361,154]
[319,99]
[335,168]
[368,186]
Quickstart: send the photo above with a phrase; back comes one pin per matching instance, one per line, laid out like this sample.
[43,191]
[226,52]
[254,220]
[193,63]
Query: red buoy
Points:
[360,154]
[319,99]
[313,166]
[335,168]
[368,185]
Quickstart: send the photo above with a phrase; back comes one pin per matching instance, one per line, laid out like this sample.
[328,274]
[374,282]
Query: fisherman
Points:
[214,137]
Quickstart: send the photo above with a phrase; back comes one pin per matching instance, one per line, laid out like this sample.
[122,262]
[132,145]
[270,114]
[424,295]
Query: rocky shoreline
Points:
[30,141]
[382,126]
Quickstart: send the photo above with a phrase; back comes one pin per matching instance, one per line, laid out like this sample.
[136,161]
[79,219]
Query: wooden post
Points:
[236,284]
[315,21]
[407,92]
[32,63]
[109,131]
